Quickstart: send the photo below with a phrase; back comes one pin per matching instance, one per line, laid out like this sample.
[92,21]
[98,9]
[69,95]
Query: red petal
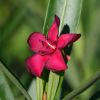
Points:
[36,63]
[66,39]
[53,31]
[56,62]
[34,41]
[57,20]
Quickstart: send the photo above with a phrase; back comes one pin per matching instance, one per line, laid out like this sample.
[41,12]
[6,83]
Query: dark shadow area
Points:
[45,74]
[65,89]
[95,96]
[65,29]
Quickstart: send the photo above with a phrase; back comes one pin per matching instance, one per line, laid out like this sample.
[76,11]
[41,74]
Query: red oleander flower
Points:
[48,50]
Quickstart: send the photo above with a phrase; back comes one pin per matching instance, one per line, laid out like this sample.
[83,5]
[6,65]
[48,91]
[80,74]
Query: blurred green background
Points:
[19,18]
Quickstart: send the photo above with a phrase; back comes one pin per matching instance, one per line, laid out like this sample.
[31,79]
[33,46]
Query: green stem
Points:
[83,87]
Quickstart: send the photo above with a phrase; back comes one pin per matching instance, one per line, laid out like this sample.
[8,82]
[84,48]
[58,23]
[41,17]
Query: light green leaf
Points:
[39,88]
[32,90]
[15,81]
[69,13]
[5,91]
[52,85]
[72,18]
[68,10]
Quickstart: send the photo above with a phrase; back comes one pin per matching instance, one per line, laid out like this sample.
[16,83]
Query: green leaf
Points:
[14,80]
[57,94]
[84,86]
[52,85]
[69,13]
[39,88]
[32,90]
[72,18]
[5,91]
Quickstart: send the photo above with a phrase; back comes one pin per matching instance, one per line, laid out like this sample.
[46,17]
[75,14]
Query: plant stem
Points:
[44,96]
[83,87]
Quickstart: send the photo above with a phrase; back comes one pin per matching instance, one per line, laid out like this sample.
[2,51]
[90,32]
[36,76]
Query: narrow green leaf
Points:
[39,88]
[52,85]
[57,94]
[5,91]
[69,13]
[15,81]
[84,86]
[72,18]
[32,90]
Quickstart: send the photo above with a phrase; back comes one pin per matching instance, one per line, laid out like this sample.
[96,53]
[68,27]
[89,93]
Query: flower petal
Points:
[36,63]
[34,41]
[54,29]
[56,62]
[66,39]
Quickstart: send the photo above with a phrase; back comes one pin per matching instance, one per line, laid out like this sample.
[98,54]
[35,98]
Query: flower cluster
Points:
[48,50]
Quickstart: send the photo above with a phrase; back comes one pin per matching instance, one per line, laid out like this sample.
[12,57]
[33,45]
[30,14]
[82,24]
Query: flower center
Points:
[52,46]
[48,47]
